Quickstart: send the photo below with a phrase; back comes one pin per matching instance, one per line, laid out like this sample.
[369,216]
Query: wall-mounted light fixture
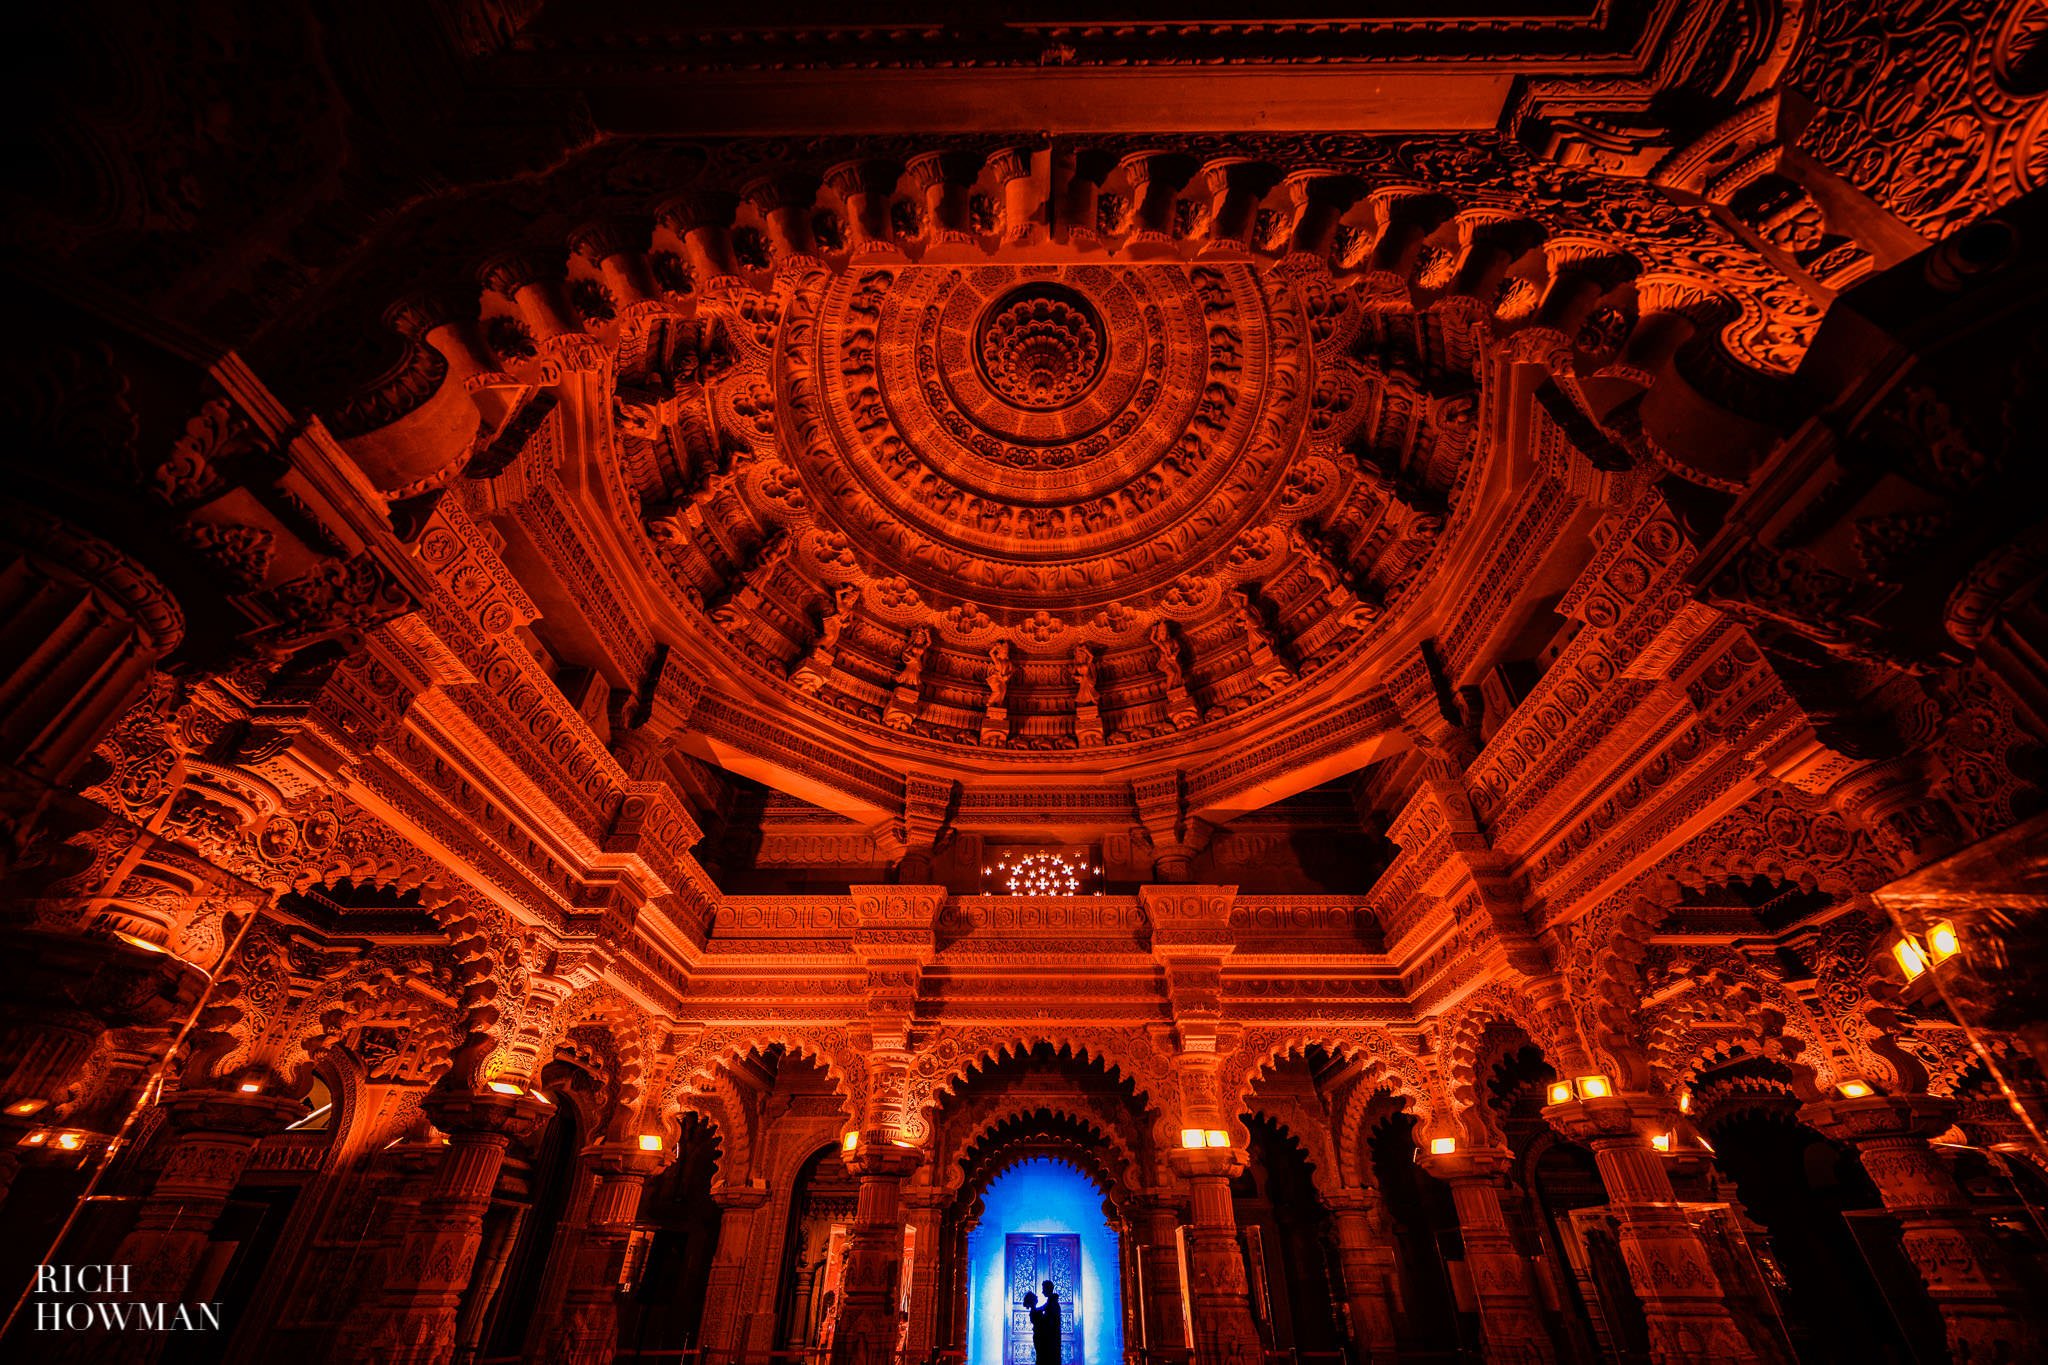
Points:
[1216,1137]
[250,1087]
[1585,1088]
[1912,961]
[505,1087]
[650,1142]
[850,1141]
[1442,1146]
[1190,1137]
[1854,1090]
[23,1108]
[1662,1142]
[1943,942]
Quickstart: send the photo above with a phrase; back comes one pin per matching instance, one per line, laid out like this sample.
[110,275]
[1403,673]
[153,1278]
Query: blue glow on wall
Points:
[1043,1195]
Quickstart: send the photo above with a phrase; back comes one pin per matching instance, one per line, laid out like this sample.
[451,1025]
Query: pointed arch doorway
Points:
[1042,1219]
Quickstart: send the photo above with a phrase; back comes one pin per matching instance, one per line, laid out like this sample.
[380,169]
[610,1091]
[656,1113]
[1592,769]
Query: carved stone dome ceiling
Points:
[1049,505]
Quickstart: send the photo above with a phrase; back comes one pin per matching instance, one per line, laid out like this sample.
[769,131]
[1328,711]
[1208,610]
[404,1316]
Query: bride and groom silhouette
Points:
[1045,1325]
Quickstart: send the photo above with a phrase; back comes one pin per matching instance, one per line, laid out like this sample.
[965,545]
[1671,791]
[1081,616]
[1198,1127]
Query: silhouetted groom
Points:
[1045,1327]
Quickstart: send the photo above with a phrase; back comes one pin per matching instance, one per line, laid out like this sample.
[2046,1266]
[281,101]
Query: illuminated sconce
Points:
[1942,941]
[70,1142]
[1561,1093]
[1442,1146]
[1190,1137]
[505,1088]
[650,1142]
[850,1141]
[1594,1088]
[1912,961]
[35,1139]
[1685,1103]
[1662,1142]
[1217,1137]
[250,1087]
[1853,1090]
[23,1108]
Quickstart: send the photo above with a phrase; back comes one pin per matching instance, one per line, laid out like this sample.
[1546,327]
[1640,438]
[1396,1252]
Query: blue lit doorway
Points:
[1047,1212]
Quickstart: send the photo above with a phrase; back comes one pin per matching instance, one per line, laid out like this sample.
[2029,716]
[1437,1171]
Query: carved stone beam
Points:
[619,251]
[1236,184]
[866,187]
[533,282]
[784,203]
[703,219]
[1156,178]
[1321,198]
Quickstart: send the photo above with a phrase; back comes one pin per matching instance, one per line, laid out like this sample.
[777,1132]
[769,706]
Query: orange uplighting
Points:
[1442,1146]
[650,1142]
[850,1141]
[1854,1090]
[1594,1088]
[1912,961]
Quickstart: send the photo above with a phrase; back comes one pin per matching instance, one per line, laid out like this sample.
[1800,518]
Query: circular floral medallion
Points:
[1040,346]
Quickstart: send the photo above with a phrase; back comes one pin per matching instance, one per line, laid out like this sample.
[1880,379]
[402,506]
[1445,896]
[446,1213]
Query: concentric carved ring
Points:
[1043,437]
[1041,346]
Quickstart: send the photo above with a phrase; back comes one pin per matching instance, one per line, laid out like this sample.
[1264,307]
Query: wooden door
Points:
[1029,1259]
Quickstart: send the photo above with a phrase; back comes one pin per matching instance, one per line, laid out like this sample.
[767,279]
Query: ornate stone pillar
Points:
[1667,1263]
[946,181]
[586,1330]
[411,1319]
[1155,178]
[799,1335]
[619,252]
[1405,219]
[923,1203]
[1968,1275]
[210,1134]
[739,1207]
[869,1292]
[1224,1331]
[703,219]
[1509,1317]
[1077,190]
[784,203]
[1320,198]
[865,187]
[1236,184]
[1165,1328]
[1366,1256]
